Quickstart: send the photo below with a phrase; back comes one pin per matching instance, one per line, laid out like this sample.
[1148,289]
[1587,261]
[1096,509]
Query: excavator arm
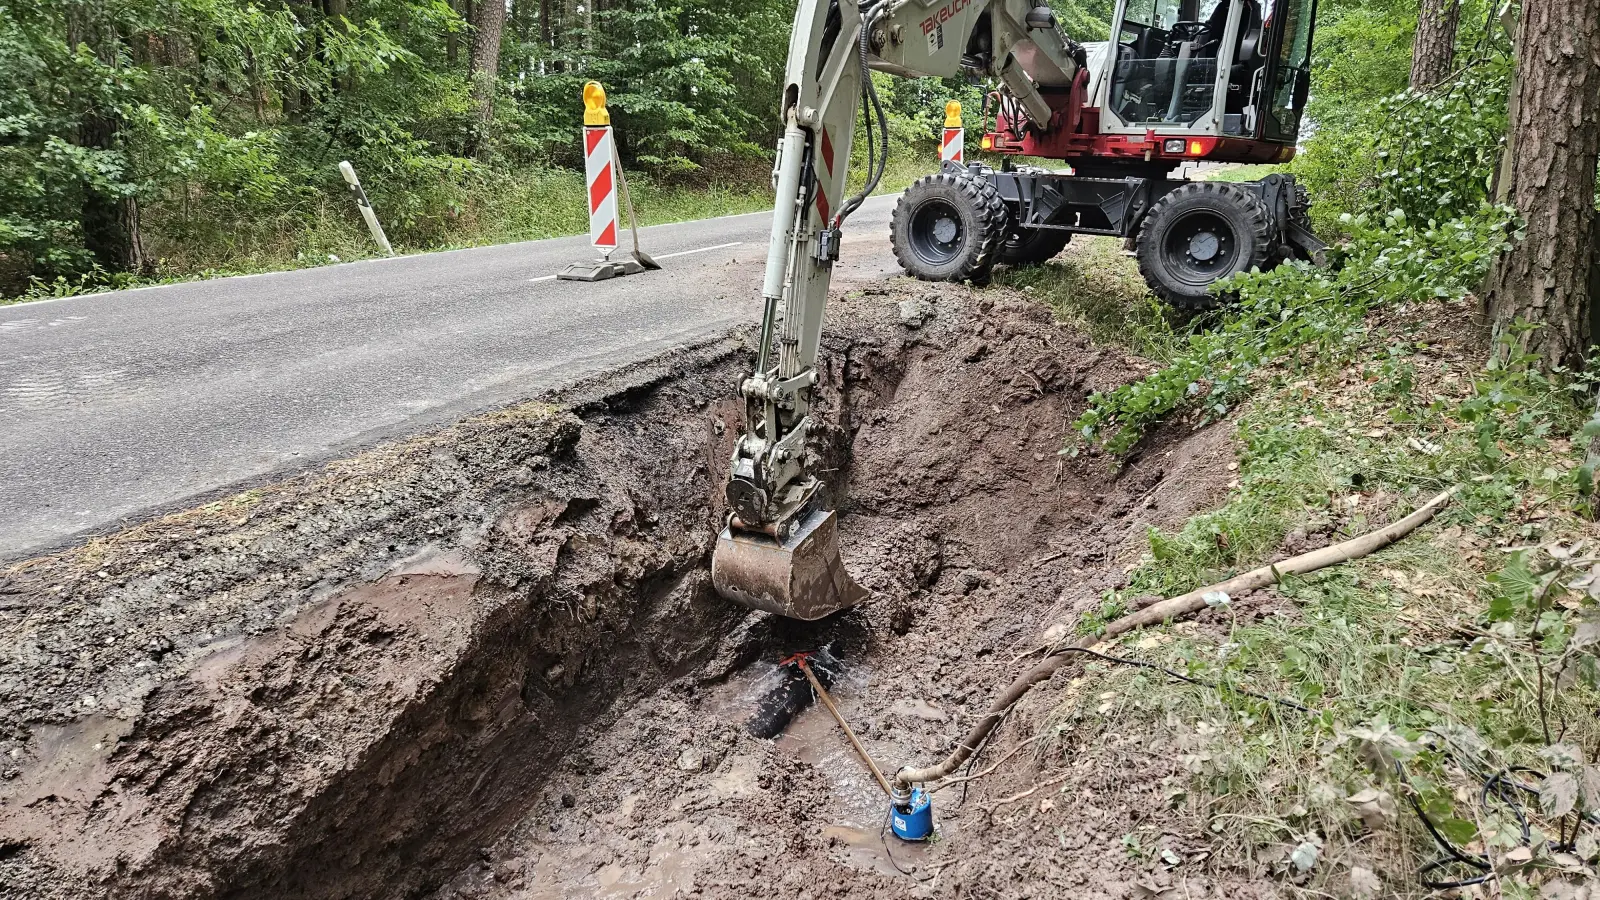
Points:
[779,551]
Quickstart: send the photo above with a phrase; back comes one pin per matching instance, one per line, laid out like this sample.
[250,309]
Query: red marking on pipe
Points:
[592,138]
[822,205]
[608,238]
[827,150]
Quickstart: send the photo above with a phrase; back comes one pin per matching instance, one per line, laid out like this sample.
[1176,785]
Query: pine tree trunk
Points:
[1550,179]
[110,221]
[488,21]
[452,41]
[1434,52]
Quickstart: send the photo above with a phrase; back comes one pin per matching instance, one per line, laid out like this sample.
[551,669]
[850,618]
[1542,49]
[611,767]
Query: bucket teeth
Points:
[800,578]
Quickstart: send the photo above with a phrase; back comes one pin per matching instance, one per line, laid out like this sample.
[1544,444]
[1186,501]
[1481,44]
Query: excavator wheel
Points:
[949,227]
[1199,234]
[1031,246]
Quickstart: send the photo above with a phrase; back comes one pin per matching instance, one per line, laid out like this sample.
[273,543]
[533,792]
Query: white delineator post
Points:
[600,169]
[954,146]
[367,213]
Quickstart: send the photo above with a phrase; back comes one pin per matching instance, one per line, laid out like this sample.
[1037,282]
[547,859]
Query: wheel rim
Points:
[1200,248]
[936,232]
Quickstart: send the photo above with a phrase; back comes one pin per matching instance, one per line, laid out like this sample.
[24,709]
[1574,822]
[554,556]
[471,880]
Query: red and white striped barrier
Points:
[954,146]
[605,181]
[600,170]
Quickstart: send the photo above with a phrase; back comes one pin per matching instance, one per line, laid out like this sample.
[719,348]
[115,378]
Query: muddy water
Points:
[679,854]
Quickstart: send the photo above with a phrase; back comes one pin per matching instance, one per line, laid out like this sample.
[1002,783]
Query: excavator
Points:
[1181,81]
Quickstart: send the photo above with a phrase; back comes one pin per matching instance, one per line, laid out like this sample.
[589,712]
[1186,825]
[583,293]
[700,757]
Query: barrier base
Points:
[600,270]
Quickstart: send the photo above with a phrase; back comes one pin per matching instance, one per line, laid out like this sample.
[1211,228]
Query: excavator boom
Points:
[779,551]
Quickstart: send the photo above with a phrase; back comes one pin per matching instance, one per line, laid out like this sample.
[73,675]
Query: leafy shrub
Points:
[1297,313]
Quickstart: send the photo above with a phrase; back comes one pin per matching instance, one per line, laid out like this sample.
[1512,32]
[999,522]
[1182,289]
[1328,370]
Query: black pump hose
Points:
[877,163]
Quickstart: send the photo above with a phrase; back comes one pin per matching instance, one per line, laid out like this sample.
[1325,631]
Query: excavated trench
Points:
[487,662]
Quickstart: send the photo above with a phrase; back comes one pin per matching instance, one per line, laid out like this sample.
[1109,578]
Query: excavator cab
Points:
[1211,68]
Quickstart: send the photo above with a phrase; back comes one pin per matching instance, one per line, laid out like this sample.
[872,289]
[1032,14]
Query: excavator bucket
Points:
[800,578]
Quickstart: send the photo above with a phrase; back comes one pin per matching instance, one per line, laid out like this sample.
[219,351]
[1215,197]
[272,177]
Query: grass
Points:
[1444,633]
[1097,288]
[530,206]
[1242,173]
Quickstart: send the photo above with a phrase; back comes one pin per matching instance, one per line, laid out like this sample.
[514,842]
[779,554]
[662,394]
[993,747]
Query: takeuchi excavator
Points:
[1181,81]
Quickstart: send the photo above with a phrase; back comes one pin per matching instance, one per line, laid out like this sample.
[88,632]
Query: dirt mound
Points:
[489,658]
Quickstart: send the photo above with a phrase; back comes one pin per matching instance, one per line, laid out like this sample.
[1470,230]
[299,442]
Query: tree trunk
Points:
[1434,52]
[1550,179]
[452,41]
[338,12]
[488,20]
[110,220]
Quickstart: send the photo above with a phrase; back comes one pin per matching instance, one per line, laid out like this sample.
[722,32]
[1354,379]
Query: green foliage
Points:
[221,124]
[1299,315]
[1085,20]
[685,81]
[1437,151]
[1375,146]
[1362,55]
[1470,644]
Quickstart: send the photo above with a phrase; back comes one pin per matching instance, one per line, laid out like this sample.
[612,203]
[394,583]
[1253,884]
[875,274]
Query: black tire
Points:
[1199,234]
[1031,246]
[949,227]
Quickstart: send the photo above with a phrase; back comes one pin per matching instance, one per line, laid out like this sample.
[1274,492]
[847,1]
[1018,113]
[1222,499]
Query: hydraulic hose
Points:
[877,163]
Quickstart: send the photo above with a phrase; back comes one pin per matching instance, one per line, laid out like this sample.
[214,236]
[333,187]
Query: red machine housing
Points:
[1073,133]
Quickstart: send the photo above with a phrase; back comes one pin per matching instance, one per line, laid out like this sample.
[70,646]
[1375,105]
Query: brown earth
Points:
[486,662]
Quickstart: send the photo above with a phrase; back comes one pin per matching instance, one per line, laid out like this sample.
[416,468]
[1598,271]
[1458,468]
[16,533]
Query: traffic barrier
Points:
[600,169]
[604,179]
[954,146]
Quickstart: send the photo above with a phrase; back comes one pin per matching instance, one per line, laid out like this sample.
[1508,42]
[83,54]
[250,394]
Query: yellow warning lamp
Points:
[952,114]
[594,105]
[987,142]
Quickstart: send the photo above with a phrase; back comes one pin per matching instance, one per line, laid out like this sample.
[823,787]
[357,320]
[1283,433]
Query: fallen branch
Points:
[1175,608]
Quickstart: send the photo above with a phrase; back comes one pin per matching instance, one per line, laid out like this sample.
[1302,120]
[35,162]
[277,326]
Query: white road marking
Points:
[154,287]
[701,250]
[660,256]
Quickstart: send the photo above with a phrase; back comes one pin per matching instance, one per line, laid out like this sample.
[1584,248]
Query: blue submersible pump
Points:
[911,814]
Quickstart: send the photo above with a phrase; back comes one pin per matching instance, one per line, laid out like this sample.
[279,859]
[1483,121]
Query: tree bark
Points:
[452,40]
[1434,53]
[488,21]
[1550,179]
[109,220]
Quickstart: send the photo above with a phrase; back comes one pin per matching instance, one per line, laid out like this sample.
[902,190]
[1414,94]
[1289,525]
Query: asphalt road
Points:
[117,406]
